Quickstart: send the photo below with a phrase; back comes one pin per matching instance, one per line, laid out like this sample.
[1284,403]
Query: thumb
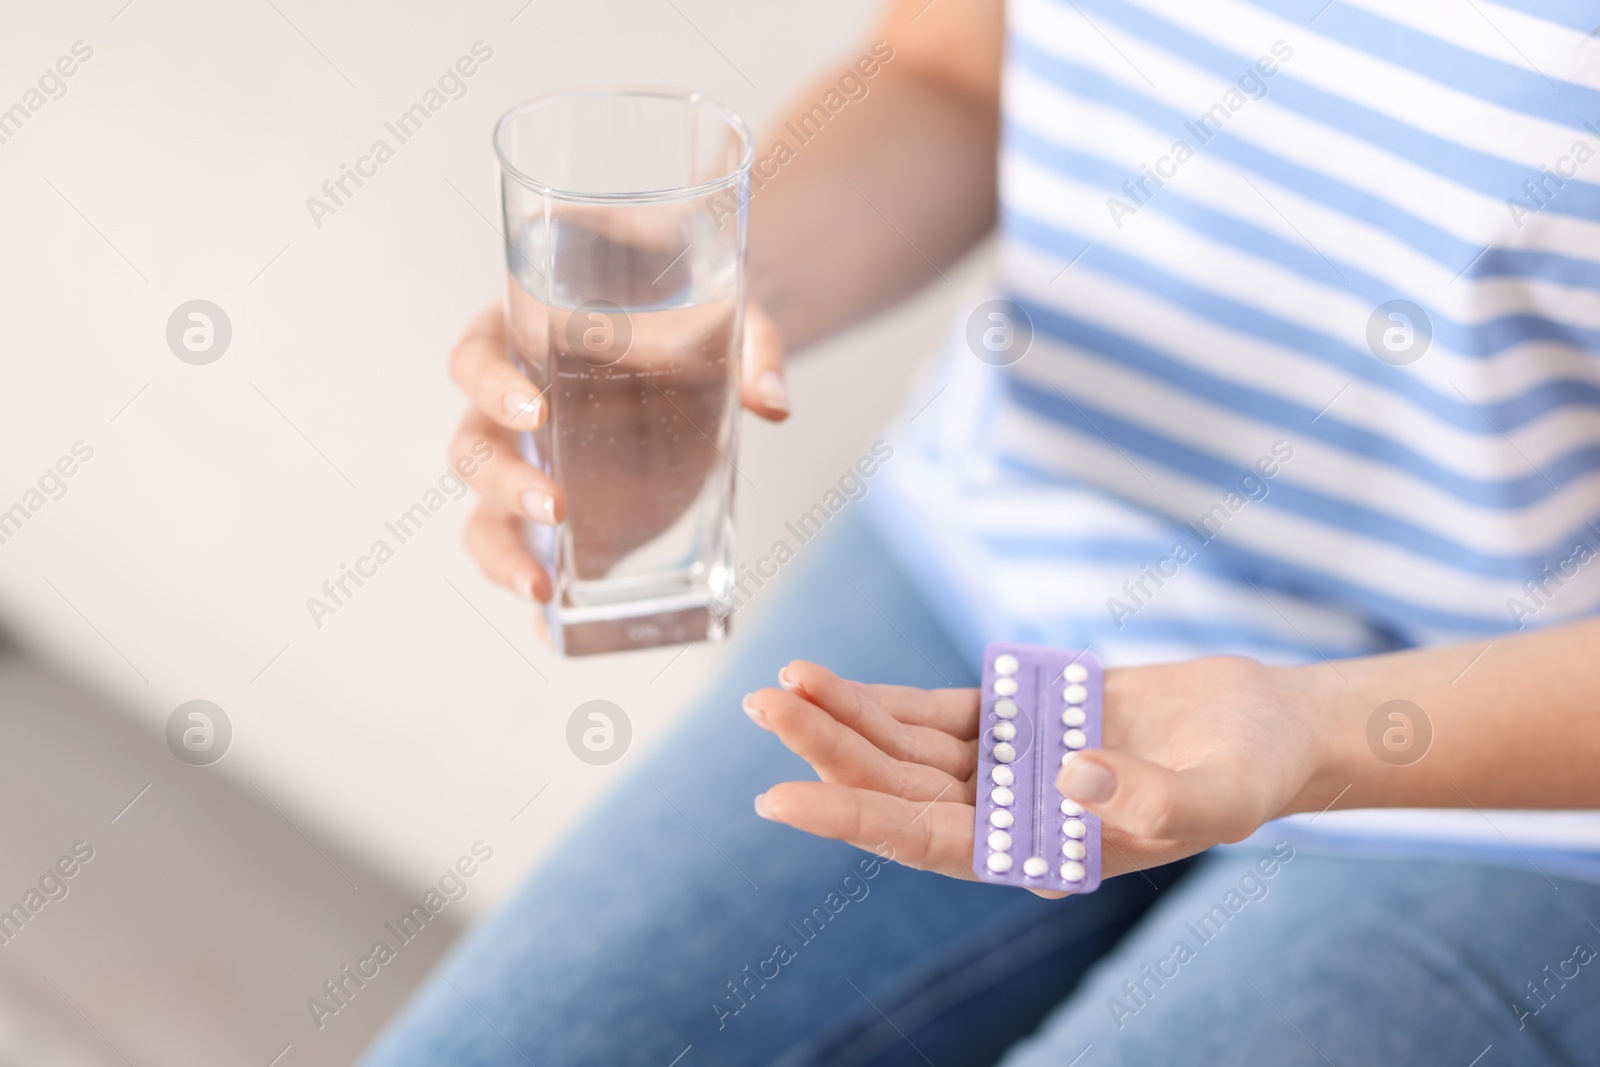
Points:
[765,392]
[1205,803]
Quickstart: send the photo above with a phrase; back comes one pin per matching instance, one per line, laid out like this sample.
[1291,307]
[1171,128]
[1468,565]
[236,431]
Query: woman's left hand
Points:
[1196,754]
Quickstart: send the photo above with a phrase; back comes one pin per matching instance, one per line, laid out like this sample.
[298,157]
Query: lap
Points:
[674,917]
[1344,961]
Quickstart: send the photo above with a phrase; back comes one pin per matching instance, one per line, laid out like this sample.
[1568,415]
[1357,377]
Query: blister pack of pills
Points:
[1039,706]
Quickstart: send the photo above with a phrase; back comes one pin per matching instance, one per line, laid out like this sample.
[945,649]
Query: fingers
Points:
[494,539]
[951,711]
[481,365]
[765,391]
[840,754]
[505,482]
[1211,803]
[855,706]
[934,837]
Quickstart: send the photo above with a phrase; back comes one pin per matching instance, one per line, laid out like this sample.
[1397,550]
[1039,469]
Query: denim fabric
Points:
[1344,961]
[621,950]
[693,933]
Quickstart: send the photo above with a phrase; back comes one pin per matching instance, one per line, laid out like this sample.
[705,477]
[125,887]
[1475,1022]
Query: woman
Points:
[1290,390]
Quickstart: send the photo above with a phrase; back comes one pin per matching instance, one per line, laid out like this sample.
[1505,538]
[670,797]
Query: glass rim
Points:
[728,116]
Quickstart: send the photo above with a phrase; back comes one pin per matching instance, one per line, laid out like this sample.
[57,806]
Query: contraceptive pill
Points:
[1041,706]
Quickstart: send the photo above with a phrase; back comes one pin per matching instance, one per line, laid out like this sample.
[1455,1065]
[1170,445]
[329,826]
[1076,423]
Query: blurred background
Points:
[174,563]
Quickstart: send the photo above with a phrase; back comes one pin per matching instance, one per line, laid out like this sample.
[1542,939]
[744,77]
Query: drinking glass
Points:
[625,214]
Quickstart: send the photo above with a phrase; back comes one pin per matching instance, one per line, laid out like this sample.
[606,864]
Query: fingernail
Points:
[787,682]
[1086,781]
[540,507]
[754,712]
[761,805]
[523,408]
[773,392]
[522,584]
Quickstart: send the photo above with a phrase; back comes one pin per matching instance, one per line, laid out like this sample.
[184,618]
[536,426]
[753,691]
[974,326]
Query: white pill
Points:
[999,841]
[1066,757]
[1076,672]
[1001,820]
[1006,709]
[1005,687]
[1074,716]
[999,862]
[1005,752]
[1004,731]
[1075,828]
[1075,694]
[1005,664]
[1074,739]
[1002,796]
[1069,807]
[1034,867]
[1003,775]
[1071,871]
[1073,850]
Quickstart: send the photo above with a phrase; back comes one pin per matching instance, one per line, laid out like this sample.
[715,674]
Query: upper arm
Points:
[958,43]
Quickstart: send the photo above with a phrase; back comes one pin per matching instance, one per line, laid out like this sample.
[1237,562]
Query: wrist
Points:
[1328,699]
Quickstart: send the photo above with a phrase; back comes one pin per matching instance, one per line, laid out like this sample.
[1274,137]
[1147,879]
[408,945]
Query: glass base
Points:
[589,631]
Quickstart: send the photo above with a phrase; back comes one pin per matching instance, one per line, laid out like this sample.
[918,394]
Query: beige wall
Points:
[177,565]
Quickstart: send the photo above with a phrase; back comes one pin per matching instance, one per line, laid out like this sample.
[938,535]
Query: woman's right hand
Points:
[510,491]
[505,403]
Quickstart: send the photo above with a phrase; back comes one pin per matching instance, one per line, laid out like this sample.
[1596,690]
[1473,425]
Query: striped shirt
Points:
[1293,350]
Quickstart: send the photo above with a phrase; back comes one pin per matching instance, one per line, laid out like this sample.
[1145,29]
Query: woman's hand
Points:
[505,402]
[1195,754]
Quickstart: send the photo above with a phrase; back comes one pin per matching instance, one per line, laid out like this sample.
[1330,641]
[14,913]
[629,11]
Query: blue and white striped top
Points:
[1313,292]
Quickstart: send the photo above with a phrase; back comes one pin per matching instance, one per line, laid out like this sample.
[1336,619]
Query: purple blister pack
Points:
[1038,706]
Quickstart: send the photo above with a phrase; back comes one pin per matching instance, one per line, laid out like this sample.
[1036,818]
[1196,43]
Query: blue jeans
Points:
[676,927]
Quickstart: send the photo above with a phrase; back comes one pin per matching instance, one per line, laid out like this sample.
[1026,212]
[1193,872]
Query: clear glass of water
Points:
[625,215]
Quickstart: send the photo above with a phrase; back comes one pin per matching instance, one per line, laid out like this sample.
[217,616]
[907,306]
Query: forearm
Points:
[1515,723]
[891,190]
